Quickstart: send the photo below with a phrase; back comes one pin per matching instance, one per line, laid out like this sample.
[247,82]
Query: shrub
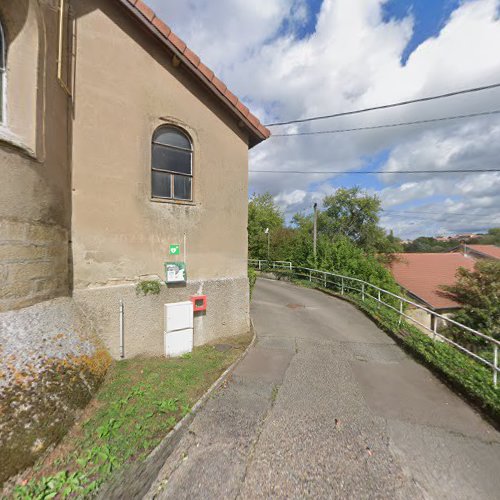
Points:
[152,287]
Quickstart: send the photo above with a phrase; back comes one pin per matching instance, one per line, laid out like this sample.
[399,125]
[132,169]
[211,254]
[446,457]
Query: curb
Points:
[140,480]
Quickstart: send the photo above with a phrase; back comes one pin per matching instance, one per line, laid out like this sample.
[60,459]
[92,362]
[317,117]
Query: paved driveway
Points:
[326,405]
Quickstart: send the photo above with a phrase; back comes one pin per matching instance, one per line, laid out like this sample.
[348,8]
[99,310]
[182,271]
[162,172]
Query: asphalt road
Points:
[326,405]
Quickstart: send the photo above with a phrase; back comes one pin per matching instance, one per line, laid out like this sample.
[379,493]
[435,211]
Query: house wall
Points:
[50,359]
[425,318]
[34,161]
[126,86]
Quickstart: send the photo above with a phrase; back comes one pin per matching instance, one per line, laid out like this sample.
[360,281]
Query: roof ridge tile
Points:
[148,15]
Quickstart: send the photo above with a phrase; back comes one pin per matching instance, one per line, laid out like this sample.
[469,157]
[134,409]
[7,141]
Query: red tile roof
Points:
[422,274]
[148,18]
[487,250]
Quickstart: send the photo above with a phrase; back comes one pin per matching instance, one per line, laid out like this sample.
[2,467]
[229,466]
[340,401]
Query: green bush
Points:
[252,278]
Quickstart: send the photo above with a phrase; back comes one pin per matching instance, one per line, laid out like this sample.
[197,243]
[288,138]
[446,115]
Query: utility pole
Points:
[315,235]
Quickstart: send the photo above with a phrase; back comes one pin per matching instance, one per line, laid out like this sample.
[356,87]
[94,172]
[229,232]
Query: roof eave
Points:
[427,303]
[257,131]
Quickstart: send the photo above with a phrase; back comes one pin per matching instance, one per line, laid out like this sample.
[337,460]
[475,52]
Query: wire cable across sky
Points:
[387,106]
[390,125]
[374,172]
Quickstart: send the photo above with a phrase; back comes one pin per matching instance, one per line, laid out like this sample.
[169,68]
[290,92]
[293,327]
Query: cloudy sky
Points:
[289,59]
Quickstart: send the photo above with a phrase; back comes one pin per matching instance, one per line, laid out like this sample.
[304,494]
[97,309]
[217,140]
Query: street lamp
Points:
[268,240]
[315,229]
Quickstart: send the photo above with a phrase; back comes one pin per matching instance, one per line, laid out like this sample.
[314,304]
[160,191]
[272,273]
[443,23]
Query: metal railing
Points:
[262,265]
[365,290]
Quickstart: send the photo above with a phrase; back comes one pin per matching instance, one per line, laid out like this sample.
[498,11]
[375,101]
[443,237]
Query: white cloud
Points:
[353,60]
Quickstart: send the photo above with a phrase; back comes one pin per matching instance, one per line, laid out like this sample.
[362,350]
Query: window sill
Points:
[173,202]
[10,139]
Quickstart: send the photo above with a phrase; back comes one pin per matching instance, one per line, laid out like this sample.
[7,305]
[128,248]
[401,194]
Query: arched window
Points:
[3,63]
[171,164]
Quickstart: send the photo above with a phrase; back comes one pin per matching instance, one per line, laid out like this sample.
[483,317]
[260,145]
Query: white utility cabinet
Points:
[178,328]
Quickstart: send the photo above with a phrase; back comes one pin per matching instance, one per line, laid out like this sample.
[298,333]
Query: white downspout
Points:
[122,331]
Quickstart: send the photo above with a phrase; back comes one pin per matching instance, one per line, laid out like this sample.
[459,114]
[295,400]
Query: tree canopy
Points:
[478,292]
[263,213]
[349,239]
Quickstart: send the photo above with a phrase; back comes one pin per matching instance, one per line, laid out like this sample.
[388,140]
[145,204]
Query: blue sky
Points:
[296,58]
[430,16]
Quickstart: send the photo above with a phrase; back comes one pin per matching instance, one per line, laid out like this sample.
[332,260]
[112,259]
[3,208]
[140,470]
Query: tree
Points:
[355,214]
[492,238]
[478,291]
[263,213]
[344,257]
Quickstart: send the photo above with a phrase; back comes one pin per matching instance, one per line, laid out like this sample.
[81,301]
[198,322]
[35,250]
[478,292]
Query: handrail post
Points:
[310,275]
[495,365]
[324,279]
[434,326]
[400,311]
[379,301]
[260,268]
[342,289]
[362,291]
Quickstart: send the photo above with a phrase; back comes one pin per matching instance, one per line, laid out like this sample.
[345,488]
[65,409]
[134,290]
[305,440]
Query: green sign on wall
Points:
[175,250]
[175,272]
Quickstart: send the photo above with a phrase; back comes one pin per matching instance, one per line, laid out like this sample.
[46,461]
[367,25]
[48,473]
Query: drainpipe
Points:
[122,331]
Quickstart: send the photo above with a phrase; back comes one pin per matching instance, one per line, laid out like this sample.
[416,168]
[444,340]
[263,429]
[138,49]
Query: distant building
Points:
[423,274]
[478,252]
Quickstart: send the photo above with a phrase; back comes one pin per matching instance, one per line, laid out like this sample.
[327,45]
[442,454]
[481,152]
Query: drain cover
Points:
[222,347]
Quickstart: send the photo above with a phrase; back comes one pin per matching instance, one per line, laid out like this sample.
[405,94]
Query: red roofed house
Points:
[423,274]
[479,252]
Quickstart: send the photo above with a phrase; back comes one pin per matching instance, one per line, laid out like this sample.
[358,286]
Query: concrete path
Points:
[328,406]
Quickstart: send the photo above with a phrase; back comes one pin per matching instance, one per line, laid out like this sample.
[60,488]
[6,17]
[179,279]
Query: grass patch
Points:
[140,401]
[466,376]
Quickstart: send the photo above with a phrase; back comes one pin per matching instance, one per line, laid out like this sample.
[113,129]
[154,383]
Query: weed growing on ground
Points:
[139,403]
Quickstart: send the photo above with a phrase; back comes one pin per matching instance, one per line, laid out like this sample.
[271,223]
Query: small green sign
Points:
[175,249]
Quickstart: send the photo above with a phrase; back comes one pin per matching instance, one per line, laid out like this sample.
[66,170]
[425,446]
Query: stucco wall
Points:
[126,86]
[34,161]
[144,320]
[424,318]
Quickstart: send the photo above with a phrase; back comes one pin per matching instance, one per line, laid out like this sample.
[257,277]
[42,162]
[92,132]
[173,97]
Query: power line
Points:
[375,172]
[432,213]
[484,219]
[391,125]
[387,106]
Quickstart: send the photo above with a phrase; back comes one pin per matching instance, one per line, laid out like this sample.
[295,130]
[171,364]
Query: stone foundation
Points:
[33,263]
[227,313]
[51,364]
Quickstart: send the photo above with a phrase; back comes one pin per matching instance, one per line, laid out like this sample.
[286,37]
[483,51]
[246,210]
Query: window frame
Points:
[172,173]
[3,76]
